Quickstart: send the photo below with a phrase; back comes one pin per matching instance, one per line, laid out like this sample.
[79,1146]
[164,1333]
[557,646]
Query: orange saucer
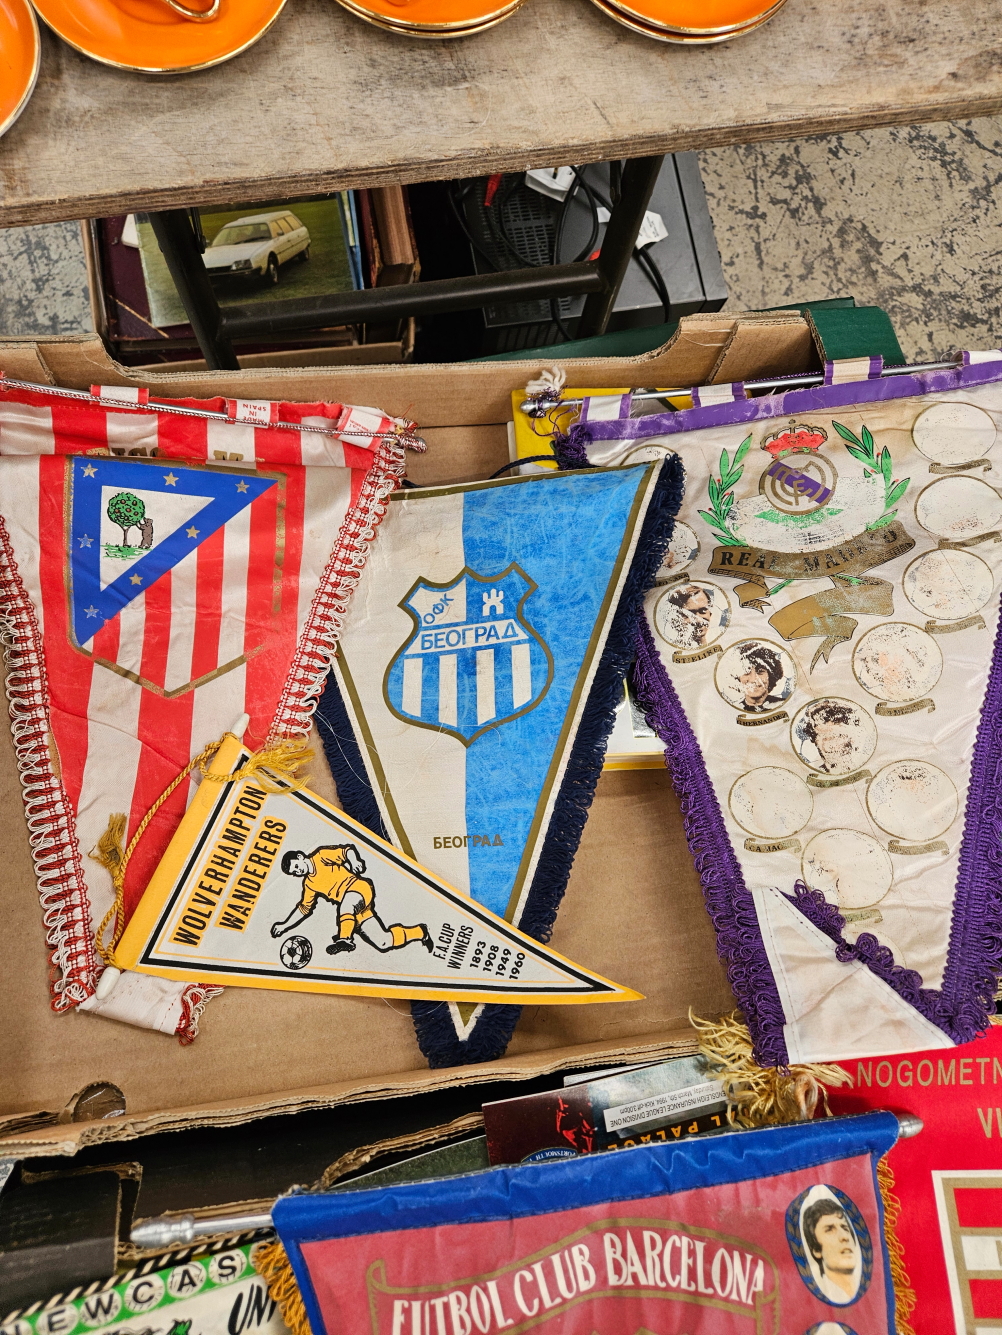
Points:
[154,37]
[432,18]
[640,18]
[20,53]
[705,18]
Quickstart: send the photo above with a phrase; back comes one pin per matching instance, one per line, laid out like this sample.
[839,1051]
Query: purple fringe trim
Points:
[974,960]
[728,900]
[570,449]
[867,949]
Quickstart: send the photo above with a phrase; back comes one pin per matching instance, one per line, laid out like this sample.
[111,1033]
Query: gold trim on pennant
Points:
[818,781]
[862,915]
[756,720]
[935,846]
[679,656]
[887,710]
[763,1314]
[772,845]
[995,536]
[983,464]
[945,627]
[342,670]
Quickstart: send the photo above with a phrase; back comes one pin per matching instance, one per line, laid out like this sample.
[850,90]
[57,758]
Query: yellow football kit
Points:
[333,880]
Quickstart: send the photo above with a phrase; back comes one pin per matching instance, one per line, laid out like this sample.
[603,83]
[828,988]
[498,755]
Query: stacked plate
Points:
[159,36]
[432,18]
[691,22]
[20,53]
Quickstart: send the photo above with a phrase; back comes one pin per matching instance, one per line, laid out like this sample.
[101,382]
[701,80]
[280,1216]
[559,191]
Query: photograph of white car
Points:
[257,247]
[248,251]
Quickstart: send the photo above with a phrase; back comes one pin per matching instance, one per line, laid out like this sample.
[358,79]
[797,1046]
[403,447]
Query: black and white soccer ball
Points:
[296,952]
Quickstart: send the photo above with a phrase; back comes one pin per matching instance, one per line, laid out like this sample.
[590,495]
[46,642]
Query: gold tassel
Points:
[111,846]
[272,1264]
[282,758]
[903,1292]
[273,767]
[758,1095]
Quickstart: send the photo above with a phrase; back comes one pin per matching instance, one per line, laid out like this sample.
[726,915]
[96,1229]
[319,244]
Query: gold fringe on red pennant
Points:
[272,1264]
[904,1294]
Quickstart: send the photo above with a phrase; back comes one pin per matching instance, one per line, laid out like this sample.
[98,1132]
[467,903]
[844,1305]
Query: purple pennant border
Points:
[817,398]
[962,1006]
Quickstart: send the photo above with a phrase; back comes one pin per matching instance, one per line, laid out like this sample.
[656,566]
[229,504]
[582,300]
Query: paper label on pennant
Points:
[283,890]
[675,1103]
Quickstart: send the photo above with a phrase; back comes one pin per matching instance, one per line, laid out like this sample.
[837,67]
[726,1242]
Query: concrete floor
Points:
[43,280]
[909,219]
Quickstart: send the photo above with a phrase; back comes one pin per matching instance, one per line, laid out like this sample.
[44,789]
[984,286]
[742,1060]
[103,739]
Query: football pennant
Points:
[164,566]
[476,683]
[779,1231]
[283,890]
[822,659]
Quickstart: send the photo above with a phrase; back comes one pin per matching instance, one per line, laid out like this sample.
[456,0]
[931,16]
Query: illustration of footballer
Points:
[337,874]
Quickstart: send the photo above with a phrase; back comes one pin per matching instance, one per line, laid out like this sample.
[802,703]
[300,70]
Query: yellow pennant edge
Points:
[158,893]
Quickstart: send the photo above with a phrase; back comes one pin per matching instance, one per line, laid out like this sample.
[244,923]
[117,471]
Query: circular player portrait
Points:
[756,676]
[831,1244]
[948,584]
[913,800]
[958,508]
[850,868]
[682,551]
[954,433]
[897,662]
[833,736]
[692,616]
[771,803]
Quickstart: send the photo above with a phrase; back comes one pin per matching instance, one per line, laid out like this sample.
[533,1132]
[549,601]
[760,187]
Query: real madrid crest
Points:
[800,479]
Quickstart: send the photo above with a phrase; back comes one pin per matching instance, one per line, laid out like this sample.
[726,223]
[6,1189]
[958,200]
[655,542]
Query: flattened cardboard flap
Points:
[466,393]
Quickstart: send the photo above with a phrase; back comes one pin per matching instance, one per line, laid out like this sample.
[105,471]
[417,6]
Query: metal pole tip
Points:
[909,1125]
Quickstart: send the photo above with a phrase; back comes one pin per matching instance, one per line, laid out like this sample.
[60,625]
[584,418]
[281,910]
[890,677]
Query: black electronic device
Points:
[511,225]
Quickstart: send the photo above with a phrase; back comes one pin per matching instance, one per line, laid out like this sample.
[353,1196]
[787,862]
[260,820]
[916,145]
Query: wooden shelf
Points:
[325,101]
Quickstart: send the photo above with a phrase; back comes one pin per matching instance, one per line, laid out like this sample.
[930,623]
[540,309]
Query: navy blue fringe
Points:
[434,1028]
[345,759]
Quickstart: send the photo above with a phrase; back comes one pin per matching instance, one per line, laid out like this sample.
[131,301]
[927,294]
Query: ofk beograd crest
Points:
[473,661]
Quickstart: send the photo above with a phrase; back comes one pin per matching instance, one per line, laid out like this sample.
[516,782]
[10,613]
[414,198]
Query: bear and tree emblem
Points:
[128,512]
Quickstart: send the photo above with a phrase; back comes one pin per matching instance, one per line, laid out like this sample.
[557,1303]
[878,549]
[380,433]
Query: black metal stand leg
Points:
[639,178]
[176,239]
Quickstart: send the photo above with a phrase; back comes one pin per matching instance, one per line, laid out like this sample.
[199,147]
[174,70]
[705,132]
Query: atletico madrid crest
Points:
[473,661]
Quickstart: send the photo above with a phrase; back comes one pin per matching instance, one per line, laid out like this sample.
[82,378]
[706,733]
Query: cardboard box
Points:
[262,1053]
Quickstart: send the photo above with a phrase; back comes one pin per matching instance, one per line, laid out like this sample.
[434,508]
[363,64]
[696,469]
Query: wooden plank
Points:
[325,101]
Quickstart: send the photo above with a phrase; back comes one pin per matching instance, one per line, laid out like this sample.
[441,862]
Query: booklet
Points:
[667,1102]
